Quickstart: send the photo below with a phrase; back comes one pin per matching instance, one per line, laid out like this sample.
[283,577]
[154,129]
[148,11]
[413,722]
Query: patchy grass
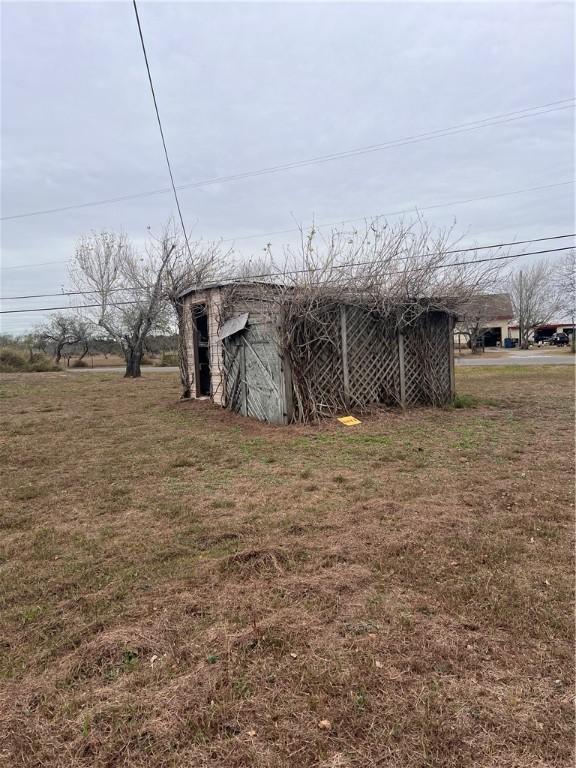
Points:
[464,400]
[183,587]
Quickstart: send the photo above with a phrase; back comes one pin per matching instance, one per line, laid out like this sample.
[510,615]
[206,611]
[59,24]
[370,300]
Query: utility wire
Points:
[348,221]
[398,213]
[69,293]
[37,264]
[51,309]
[160,127]
[499,119]
[416,269]
[276,274]
[314,269]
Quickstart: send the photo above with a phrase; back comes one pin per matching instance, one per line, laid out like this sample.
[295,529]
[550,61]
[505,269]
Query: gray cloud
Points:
[243,86]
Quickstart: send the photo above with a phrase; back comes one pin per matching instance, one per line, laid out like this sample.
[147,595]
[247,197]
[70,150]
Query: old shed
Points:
[262,352]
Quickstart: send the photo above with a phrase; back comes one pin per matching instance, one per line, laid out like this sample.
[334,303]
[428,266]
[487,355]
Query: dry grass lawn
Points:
[183,587]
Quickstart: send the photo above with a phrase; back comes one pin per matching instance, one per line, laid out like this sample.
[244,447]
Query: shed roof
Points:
[432,303]
[222,284]
[490,306]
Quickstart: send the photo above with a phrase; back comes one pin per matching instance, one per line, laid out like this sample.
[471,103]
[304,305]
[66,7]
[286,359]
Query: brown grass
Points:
[110,361]
[183,587]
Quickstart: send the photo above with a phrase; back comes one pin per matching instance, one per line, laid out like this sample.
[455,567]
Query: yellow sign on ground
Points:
[349,421]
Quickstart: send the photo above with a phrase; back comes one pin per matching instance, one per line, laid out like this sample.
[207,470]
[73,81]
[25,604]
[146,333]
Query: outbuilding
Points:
[483,320]
[264,351]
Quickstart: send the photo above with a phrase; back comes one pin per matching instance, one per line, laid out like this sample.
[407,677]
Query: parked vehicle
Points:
[559,339]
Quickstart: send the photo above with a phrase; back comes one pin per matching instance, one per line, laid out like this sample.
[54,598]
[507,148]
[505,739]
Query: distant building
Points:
[542,333]
[485,320]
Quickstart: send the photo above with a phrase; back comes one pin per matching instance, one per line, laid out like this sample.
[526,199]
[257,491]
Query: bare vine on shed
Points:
[386,287]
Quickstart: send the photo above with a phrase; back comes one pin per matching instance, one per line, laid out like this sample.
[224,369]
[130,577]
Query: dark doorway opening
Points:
[492,337]
[201,342]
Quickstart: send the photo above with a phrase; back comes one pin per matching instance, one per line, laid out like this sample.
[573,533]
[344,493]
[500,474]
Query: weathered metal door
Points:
[255,383]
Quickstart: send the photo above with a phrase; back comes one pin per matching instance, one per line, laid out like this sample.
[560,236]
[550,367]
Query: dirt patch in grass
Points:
[184,587]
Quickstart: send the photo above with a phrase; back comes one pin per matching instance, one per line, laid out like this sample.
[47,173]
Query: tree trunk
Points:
[84,352]
[474,339]
[133,357]
[58,354]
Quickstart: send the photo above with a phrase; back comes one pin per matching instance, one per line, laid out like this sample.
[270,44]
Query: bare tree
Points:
[60,331]
[534,297]
[564,280]
[472,326]
[85,338]
[127,288]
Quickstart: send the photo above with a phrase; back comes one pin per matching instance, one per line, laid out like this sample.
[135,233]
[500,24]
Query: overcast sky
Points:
[244,86]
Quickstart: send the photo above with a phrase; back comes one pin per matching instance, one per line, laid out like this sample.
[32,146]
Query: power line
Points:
[416,269]
[274,274]
[37,264]
[52,309]
[439,266]
[499,119]
[160,126]
[350,221]
[398,213]
[312,269]
[66,293]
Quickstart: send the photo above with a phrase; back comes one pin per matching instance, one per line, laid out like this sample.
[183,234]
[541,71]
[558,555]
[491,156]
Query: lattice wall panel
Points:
[318,376]
[317,363]
[427,360]
[373,361]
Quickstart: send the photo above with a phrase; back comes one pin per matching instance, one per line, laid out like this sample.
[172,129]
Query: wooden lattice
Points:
[316,366]
[377,370]
[337,358]
[427,362]
[373,362]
